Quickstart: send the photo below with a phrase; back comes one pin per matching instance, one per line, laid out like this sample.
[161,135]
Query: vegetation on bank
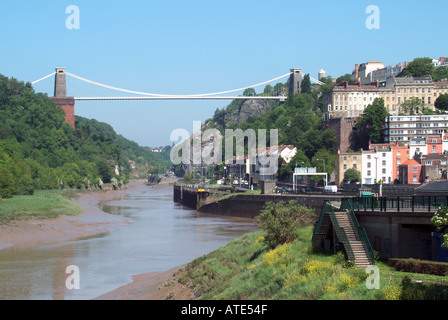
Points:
[247,268]
[278,263]
[43,204]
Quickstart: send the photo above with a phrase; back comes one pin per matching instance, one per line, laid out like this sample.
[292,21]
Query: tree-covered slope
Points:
[38,150]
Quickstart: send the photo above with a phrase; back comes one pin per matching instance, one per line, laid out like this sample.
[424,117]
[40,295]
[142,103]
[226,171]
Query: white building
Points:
[377,164]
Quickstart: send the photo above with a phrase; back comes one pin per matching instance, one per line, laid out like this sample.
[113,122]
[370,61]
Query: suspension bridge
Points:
[67,103]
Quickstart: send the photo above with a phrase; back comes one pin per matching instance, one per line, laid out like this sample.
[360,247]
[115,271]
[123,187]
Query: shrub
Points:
[420,266]
[283,220]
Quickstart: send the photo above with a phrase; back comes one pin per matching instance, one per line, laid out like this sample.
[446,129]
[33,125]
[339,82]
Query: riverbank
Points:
[92,221]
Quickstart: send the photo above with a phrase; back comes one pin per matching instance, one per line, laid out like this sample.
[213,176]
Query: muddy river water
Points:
[163,235]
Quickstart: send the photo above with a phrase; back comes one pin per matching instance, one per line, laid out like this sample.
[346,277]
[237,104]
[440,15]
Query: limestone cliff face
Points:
[237,112]
[241,110]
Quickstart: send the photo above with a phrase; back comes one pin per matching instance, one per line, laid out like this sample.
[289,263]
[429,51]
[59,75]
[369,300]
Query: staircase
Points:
[348,232]
[359,252]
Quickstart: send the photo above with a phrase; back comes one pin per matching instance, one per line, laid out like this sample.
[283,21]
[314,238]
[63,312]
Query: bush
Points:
[420,266]
[283,220]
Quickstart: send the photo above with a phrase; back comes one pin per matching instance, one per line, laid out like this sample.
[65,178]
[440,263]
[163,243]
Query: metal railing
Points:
[399,203]
[328,208]
[346,204]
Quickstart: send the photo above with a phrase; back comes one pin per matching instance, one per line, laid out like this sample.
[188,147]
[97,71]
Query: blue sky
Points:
[192,47]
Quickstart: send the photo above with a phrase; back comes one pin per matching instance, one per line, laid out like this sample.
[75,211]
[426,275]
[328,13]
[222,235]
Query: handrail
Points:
[346,205]
[340,232]
[414,203]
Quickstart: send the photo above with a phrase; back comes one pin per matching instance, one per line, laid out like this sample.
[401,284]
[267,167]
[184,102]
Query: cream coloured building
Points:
[349,101]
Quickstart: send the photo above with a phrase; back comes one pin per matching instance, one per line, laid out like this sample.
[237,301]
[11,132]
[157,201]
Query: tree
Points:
[419,67]
[282,221]
[440,221]
[105,171]
[442,102]
[306,84]
[370,126]
[352,175]
[440,73]
[268,90]
[411,106]
[250,92]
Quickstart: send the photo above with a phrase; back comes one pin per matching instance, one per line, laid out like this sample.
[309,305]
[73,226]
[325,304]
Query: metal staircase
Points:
[347,233]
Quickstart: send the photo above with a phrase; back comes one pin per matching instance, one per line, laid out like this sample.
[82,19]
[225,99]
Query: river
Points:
[163,235]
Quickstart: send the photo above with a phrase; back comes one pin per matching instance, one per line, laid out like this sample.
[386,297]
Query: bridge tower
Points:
[295,81]
[61,99]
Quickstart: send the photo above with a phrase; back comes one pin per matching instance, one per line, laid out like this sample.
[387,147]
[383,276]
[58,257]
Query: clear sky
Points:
[192,47]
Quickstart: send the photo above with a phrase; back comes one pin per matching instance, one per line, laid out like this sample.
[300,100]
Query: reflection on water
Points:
[164,235]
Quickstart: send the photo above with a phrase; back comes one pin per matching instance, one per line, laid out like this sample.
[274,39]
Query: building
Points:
[405,128]
[345,161]
[243,166]
[377,164]
[348,101]
[416,146]
[400,154]
[434,165]
[343,128]
[401,89]
[410,172]
[381,75]
[363,72]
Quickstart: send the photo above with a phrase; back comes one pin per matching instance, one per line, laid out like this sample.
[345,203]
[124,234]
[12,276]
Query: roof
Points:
[410,162]
[435,186]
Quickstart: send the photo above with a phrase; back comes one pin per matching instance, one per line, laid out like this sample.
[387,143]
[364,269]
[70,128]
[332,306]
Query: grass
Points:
[247,269]
[44,204]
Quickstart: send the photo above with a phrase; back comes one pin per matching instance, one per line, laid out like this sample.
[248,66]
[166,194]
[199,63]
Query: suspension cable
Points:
[51,74]
[165,95]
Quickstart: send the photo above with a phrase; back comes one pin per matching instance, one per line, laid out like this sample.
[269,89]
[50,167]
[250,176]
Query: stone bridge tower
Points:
[295,81]
[61,99]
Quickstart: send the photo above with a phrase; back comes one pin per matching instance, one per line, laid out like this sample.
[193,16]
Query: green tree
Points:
[411,106]
[282,221]
[268,90]
[306,84]
[370,126]
[105,171]
[6,183]
[441,102]
[419,67]
[440,221]
[440,73]
[352,175]
[250,92]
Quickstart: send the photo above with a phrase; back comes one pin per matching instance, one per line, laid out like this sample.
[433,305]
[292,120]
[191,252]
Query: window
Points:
[398,153]
[369,173]
[369,165]
[433,148]
[384,155]
[414,179]
[414,170]
[345,167]
[355,166]
[384,162]
[384,171]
